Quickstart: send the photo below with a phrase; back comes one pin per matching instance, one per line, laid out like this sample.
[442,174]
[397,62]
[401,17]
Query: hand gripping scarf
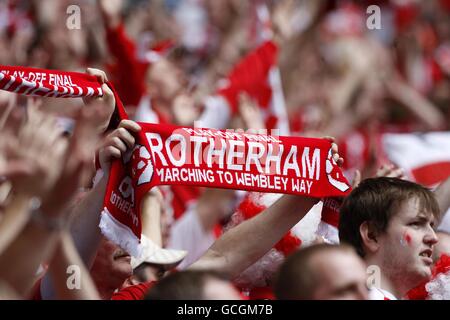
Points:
[173,155]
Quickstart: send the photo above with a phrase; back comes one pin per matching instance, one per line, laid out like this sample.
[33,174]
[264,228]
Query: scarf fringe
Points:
[119,234]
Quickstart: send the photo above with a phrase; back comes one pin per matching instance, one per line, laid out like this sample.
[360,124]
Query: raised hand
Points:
[31,155]
[390,171]
[111,11]
[290,17]
[117,143]
[107,99]
[250,112]
[77,159]
[335,151]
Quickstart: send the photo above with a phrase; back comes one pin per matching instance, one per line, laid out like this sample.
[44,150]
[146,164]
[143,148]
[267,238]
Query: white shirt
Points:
[187,233]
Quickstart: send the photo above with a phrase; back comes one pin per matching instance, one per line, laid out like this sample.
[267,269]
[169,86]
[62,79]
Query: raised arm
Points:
[30,162]
[417,104]
[36,242]
[240,247]
[243,245]
[151,208]
[129,72]
[86,215]
[69,274]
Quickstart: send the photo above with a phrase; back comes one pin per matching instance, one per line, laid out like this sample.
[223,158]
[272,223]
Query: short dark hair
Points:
[182,285]
[377,200]
[297,278]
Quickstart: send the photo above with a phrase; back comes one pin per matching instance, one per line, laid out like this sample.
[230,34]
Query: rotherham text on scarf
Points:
[265,157]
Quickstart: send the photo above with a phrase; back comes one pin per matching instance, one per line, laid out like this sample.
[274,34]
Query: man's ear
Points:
[369,237]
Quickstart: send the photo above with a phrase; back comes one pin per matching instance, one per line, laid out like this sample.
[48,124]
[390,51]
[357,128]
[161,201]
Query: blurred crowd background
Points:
[359,71]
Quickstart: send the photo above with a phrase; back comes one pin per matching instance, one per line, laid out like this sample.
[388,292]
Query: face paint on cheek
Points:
[408,238]
[405,239]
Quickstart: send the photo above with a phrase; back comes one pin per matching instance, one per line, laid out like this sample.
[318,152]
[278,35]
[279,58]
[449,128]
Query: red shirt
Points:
[136,292]
[128,72]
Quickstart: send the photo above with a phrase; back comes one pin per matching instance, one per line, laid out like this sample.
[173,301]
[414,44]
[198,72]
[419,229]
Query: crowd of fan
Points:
[169,61]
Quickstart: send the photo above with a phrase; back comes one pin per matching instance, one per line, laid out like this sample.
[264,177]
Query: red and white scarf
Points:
[46,83]
[438,286]
[172,155]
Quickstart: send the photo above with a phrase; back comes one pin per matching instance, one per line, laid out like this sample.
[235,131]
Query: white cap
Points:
[152,253]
